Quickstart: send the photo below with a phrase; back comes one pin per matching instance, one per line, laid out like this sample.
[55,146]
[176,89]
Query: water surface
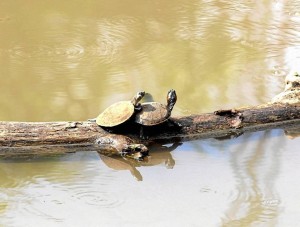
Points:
[69,60]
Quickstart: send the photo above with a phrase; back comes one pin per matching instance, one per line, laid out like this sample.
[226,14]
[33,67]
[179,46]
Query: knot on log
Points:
[233,117]
[291,93]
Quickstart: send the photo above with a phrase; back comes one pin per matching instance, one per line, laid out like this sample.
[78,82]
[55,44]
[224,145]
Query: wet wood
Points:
[24,138]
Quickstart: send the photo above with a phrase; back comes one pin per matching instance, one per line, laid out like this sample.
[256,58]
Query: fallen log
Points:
[27,138]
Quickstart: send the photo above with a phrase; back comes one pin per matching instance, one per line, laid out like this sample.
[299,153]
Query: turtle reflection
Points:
[160,154]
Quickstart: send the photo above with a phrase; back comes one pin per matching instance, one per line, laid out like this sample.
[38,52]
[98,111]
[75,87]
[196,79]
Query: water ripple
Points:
[98,198]
[112,36]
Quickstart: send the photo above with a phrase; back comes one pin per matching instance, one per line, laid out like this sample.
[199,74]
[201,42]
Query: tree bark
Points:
[26,138]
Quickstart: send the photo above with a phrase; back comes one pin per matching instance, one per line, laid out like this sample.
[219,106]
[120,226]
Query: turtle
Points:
[155,113]
[121,145]
[119,112]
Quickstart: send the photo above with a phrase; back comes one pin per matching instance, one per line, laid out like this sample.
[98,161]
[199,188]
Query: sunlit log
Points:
[26,138]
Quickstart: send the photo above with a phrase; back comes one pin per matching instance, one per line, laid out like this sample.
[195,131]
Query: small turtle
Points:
[154,113]
[119,112]
[122,145]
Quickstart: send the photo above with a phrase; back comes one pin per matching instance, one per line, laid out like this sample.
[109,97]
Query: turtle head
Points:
[140,95]
[135,151]
[171,99]
[137,98]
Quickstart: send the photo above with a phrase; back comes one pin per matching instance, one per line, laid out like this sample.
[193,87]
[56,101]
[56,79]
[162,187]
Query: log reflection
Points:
[256,170]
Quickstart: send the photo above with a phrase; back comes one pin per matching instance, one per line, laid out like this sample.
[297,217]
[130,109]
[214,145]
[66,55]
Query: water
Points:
[69,60]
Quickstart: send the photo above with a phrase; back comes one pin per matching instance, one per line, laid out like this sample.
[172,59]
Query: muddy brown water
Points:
[68,60]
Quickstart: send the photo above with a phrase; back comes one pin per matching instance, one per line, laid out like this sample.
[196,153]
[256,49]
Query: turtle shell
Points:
[115,114]
[152,113]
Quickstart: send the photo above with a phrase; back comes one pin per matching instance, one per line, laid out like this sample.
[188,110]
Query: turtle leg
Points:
[143,135]
[173,123]
[92,120]
[109,130]
[174,146]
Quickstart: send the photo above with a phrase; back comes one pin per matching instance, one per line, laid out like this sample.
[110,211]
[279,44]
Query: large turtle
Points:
[154,113]
[119,112]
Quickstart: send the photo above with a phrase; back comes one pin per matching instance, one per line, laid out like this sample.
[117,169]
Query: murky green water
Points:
[67,60]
